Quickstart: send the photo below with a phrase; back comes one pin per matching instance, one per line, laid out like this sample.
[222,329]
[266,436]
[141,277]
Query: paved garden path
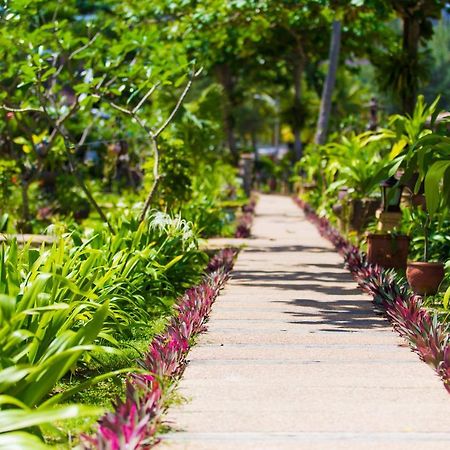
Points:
[296,358]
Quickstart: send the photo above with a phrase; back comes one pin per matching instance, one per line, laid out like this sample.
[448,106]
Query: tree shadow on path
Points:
[339,306]
[297,281]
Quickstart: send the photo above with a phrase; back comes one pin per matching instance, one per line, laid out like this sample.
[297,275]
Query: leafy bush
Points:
[58,305]
[215,196]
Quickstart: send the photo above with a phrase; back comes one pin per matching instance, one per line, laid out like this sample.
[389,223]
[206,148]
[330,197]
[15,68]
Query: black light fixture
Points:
[391,191]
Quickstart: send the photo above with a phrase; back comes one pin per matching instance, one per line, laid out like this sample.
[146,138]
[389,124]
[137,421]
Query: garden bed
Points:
[428,337]
[136,419]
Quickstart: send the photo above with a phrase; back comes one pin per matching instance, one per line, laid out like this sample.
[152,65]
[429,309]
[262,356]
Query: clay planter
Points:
[387,250]
[419,200]
[425,277]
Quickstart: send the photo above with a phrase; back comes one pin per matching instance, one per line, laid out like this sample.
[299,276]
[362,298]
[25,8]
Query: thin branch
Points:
[21,110]
[85,46]
[131,114]
[85,135]
[177,106]
[121,109]
[99,84]
[55,13]
[81,182]
[156,177]
[110,82]
[153,136]
[144,98]
[60,122]
[72,163]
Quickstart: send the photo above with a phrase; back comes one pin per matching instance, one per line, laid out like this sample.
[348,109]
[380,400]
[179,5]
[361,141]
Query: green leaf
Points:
[397,148]
[173,262]
[446,299]
[61,397]
[22,441]
[17,419]
[433,181]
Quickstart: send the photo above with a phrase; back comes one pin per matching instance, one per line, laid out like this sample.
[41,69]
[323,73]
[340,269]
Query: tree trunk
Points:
[24,225]
[226,80]
[254,140]
[298,71]
[411,37]
[327,93]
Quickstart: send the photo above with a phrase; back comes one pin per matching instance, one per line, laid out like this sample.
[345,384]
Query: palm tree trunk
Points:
[24,222]
[226,80]
[327,93]
[298,71]
[411,37]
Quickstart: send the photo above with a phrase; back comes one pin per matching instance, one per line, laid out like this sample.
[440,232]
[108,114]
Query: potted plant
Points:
[425,277]
[424,157]
[431,160]
[356,162]
[388,249]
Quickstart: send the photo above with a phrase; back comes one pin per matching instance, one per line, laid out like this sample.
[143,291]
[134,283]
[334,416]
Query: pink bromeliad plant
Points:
[133,423]
[221,262]
[406,312]
[245,221]
[444,365]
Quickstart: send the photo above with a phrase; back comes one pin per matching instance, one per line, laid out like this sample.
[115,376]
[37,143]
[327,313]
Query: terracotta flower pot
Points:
[419,200]
[425,277]
[387,250]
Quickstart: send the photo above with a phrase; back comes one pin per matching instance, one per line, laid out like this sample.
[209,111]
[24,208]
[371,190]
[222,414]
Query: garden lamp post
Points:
[389,215]
[373,117]
[391,192]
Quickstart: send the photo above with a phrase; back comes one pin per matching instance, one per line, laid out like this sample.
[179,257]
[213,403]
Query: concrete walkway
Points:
[296,358]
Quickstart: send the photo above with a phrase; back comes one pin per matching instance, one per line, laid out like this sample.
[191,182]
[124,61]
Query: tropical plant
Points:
[424,157]
[67,305]
[405,130]
[357,161]
[435,244]
[214,198]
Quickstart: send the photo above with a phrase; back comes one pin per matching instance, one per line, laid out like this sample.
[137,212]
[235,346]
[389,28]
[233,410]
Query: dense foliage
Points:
[342,181]
[122,127]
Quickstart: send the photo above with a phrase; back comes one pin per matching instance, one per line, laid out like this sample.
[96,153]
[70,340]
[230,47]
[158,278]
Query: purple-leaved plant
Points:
[245,221]
[133,423]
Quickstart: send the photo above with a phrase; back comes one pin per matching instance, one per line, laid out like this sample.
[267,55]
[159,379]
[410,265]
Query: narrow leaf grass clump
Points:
[425,334]
[66,309]
[134,422]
